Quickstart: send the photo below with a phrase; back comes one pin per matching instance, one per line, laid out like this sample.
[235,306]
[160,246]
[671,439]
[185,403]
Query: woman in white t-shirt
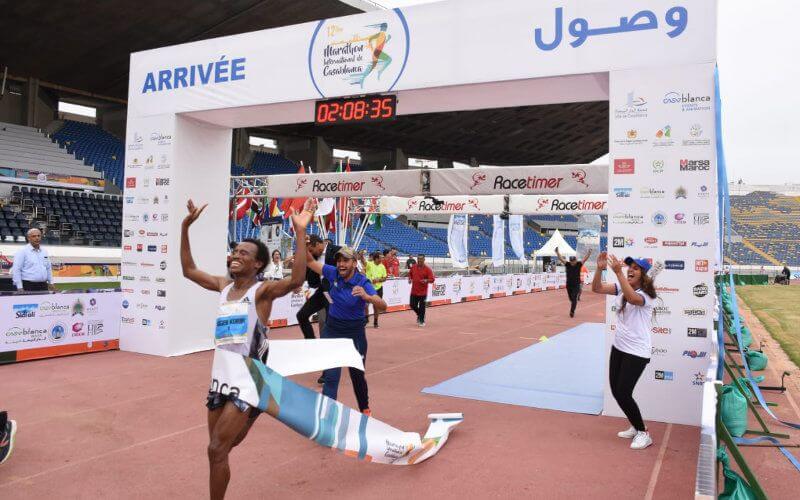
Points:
[274,270]
[630,353]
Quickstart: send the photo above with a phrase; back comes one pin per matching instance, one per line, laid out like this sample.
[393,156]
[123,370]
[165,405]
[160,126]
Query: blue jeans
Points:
[344,329]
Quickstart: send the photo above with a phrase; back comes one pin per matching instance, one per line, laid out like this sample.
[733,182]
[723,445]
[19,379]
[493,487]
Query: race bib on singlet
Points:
[231,324]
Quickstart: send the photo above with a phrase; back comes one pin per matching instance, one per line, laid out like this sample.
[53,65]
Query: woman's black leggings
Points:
[623,373]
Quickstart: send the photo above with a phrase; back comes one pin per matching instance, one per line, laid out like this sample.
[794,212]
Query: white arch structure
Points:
[652,60]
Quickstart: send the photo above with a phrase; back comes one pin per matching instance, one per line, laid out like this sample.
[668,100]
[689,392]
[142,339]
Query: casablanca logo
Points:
[352,56]
[77,308]
[580,176]
[302,181]
[696,130]
[477,179]
[378,181]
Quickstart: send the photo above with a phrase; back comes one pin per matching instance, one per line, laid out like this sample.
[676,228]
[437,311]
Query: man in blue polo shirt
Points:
[349,294]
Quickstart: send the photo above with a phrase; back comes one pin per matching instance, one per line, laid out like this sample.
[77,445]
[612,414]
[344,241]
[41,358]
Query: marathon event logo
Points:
[224,69]
[359,55]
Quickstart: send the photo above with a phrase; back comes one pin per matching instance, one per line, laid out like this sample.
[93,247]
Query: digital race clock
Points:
[374,108]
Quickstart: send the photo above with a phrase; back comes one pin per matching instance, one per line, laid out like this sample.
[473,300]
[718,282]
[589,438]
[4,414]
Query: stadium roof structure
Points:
[525,135]
[87,46]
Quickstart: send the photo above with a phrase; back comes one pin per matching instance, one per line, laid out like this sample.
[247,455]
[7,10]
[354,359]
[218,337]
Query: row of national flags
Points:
[264,211]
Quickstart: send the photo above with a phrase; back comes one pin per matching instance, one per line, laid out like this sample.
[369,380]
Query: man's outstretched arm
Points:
[190,270]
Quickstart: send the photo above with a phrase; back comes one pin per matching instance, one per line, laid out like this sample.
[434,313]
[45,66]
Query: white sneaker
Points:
[630,433]
[422,324]
[641,441]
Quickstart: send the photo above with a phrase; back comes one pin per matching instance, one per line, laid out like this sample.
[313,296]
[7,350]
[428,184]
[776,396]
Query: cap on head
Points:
[642,263]
[346,252]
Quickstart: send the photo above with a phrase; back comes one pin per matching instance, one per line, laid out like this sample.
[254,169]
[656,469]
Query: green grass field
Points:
[778,309]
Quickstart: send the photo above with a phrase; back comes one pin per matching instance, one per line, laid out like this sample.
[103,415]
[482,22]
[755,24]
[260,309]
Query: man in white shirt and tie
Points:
[32,271]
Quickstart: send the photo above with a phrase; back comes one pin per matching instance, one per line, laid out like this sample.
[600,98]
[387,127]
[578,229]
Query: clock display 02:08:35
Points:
[359,109]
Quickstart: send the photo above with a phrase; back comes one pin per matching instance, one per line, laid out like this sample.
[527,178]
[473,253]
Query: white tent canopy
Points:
[555,241]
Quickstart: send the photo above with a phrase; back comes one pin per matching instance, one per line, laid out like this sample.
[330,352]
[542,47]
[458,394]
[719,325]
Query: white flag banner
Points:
[515,234]
[327,422]
[442,205]
[358,184]
[498,241]
[558,204]
[457,233]
[552,179]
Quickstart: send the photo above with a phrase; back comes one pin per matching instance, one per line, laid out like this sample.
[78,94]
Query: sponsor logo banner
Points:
[442,205]
[562,204]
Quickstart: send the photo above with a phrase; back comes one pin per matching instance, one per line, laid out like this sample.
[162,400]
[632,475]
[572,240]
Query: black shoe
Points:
[572,314]
[321,380]
[7,440]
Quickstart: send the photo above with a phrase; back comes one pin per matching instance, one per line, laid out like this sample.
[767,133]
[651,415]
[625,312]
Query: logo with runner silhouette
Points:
[358,55]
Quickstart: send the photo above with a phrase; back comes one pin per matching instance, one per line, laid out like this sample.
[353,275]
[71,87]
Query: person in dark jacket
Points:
[317,302]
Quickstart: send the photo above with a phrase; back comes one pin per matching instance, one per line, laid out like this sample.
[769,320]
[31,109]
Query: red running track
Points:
[123,425]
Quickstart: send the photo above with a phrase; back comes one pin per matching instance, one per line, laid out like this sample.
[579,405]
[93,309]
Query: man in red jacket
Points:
[419,276]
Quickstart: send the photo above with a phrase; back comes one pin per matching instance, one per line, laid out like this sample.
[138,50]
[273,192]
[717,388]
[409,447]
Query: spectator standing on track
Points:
[376,273]
[317,303]
[787,273]
[632,347]
[391,262]
[574,284]
[420,276]
[350,292]
[32,270]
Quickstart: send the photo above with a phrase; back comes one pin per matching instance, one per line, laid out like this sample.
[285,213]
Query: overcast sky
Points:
[759,76]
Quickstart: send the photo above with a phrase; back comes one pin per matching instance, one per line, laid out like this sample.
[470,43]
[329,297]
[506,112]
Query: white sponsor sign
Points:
[35,321]
[378,183]
[662,138]
[419,47]
[552,179]
[558,204]
[442,205]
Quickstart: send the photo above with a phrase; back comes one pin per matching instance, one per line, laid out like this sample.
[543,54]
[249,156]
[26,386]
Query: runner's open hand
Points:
[194,212]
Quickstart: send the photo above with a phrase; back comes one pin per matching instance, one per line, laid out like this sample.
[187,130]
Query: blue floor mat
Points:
[564,373]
